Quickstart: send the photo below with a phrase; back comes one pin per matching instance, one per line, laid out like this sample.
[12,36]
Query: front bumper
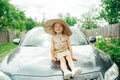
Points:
[85,76]
[96,75]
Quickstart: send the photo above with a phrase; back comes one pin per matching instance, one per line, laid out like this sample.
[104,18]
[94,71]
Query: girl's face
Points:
[58,28]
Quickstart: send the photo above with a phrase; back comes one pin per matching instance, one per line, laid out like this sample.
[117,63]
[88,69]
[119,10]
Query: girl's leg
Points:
[75,71]
[67,73]
[63,64]
[70,61]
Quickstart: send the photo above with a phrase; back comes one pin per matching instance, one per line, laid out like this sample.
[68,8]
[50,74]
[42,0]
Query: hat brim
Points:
[48,26]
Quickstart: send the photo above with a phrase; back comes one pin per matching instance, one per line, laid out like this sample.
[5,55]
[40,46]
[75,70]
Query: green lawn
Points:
[6,48]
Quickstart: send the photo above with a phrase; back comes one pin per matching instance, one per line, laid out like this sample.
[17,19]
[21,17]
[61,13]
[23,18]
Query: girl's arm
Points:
[70,49]
[52,50]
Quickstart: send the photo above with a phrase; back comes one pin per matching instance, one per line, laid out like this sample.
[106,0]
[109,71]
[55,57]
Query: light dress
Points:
[61,46]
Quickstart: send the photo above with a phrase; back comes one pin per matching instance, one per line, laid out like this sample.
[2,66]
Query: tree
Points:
[110,11]
[4,10]
[89,20]
[11,18]
[30,24]
[71,20]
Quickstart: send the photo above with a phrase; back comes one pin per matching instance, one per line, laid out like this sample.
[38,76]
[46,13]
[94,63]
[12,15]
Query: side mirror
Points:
[16,41]
[92,39]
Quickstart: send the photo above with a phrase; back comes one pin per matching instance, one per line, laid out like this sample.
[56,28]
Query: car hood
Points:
[37,61]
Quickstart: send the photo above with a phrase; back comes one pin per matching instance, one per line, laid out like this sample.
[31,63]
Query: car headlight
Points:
[4,76]
[112,73]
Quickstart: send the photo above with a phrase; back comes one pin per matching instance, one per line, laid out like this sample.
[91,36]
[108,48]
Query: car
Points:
[31,60]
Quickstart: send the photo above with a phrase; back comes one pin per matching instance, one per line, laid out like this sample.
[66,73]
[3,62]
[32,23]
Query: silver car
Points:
[31,60]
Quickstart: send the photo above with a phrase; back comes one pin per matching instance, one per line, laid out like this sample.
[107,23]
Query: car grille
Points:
[90,76]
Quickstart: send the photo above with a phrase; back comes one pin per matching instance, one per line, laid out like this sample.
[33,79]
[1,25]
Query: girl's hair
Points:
[62,27]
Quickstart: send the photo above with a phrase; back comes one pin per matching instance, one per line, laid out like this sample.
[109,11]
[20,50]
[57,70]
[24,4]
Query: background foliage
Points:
[89,19]
[11,18]
[70,20]
[110,45]
[110,11]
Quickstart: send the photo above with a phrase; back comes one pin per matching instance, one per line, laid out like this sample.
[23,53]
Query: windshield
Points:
[37,37]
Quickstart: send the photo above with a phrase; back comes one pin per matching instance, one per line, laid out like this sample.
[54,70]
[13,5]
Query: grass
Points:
[6,48]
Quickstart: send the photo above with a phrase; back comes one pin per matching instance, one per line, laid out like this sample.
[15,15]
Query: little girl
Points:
[60,46]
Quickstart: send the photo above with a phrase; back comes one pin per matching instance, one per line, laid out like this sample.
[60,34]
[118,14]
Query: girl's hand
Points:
[74,58]
[54,59]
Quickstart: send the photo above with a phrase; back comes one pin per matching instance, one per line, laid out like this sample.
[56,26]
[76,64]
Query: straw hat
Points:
[48,26]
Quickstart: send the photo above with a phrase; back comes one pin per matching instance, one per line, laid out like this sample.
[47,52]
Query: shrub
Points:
[110,45]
